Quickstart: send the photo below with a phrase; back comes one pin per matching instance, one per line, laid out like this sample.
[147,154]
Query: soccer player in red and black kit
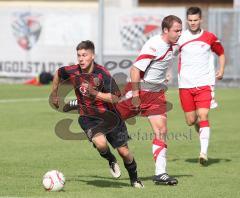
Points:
[97,93]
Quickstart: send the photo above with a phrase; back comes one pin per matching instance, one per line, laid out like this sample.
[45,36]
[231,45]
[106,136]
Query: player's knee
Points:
[203,117]
[191,121]
[101,146]
[100,143]
[124,152]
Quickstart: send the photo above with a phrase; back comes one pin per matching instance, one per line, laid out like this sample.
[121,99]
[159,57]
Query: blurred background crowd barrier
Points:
[41,36]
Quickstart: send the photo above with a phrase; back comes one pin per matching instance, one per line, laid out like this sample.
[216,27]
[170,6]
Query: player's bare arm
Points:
[54,94]
[220,71]
[135,79]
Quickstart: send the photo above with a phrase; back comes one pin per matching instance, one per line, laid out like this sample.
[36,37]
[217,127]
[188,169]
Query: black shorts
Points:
[108,123]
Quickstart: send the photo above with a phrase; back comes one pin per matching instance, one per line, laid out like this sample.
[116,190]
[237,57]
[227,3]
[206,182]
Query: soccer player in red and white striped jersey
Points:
[146,92]
[196,75]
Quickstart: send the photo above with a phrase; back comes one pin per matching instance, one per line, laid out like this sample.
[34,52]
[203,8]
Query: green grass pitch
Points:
[30,147]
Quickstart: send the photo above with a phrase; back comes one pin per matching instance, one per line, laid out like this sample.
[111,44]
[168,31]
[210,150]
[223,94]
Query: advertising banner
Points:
[37,39]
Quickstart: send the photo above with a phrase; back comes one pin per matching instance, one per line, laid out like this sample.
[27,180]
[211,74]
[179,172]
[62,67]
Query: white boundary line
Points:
[28,100]
[22,100]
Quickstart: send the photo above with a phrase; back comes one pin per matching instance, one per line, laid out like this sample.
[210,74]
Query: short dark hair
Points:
[87,45]
[194,10]
[169,20]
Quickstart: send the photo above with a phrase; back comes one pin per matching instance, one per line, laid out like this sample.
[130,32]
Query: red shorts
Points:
[152,103]
[198,97]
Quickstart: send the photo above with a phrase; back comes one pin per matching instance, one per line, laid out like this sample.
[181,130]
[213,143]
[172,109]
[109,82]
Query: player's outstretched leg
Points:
[131,166]
[159,153]
[132,172]
[100,142]
[113,165]
[204,135]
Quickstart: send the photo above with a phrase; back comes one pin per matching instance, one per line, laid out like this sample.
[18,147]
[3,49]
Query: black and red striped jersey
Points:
[100,79]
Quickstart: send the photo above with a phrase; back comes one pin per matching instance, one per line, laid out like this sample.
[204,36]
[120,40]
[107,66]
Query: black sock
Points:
[132,170]
[108,155]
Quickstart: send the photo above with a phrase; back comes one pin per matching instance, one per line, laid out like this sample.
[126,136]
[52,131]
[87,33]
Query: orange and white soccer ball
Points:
[53,180]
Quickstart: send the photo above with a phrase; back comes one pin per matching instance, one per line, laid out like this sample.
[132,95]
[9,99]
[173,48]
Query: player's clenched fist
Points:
[136,101]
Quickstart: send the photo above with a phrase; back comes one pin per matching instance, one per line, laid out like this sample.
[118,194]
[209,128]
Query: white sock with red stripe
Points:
[159,149]
[204,135]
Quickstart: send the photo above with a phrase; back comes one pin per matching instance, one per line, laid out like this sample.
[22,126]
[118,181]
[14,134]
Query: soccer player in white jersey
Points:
[196,76]
[145,94]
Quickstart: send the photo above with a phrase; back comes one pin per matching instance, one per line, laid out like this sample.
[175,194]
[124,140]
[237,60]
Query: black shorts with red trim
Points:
[108,123]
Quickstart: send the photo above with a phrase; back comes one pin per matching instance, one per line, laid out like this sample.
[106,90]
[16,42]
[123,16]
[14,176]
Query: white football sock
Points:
[204,134]
[159,149]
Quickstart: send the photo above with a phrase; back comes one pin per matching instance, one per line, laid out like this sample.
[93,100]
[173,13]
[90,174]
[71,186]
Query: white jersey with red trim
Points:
[196,60]
[153,60]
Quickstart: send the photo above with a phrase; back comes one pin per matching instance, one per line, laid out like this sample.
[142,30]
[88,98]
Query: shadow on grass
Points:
[105,183]
[98,181]
[210,162]
[108,182]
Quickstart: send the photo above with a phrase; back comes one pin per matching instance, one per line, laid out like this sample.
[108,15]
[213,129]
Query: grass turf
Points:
[30,147]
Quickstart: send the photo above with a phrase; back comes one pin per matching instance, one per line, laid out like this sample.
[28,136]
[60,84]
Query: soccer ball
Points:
[53,180]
